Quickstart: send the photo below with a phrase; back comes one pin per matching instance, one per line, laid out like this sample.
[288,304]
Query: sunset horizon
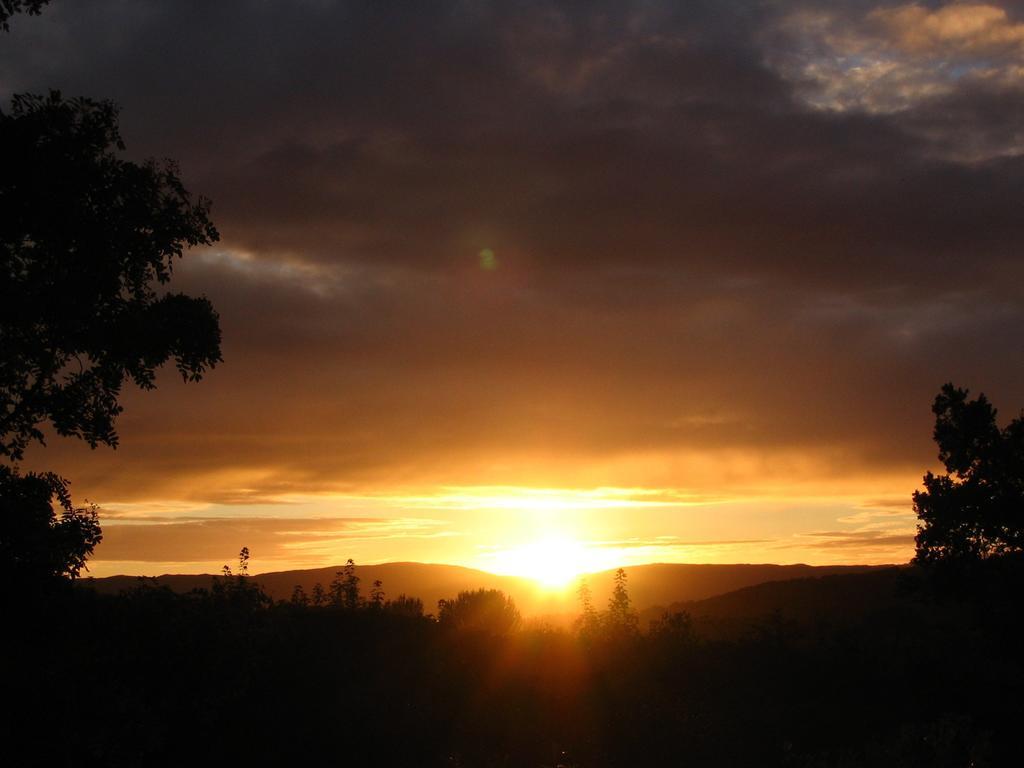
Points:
[477,383]
[662,284]
[520,533]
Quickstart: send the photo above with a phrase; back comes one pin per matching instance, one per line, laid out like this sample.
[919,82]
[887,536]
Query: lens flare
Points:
[488,261]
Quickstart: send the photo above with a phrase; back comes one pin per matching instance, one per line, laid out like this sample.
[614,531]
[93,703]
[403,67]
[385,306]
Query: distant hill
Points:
[659,584]
[665,583]
[832,599]
[427,581]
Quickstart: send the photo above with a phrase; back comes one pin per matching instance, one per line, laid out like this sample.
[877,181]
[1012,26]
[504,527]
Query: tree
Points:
[675,628]
[483,610]
[37,546]
[243,563]
[238,588]
[86,238]
[621,618]
[410,607]
[588,622]
[319,595]
[377,595]
[344,588]
[10,7]
[976,510]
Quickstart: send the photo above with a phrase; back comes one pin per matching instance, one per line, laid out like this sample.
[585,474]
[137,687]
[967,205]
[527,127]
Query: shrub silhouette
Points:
[411,607]
[483,610]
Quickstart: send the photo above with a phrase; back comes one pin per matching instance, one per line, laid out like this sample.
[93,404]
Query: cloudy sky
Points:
[675,281]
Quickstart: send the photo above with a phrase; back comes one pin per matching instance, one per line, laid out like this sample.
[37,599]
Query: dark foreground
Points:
[915,675]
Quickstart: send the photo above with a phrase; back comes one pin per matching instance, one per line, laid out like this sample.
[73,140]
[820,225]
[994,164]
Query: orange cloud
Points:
[952,29]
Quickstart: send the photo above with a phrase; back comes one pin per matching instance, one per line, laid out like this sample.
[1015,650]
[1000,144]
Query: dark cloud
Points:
[568,136]
[697,252]
[204,539]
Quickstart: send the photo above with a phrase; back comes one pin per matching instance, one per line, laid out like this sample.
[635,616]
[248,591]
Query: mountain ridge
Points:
[650,585]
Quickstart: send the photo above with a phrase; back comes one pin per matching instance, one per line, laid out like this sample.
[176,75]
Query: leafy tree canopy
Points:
[86,237]
[10,7]
[37,546]
[976,510]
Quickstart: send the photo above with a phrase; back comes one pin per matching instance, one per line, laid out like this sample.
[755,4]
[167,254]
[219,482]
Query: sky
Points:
[616,282]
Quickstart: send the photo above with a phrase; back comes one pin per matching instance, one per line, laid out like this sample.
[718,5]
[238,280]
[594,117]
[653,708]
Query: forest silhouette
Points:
[912,673]
[909,666]
[915,665]
[912,666]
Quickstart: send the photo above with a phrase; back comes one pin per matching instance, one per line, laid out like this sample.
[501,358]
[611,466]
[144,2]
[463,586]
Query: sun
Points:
[553,561]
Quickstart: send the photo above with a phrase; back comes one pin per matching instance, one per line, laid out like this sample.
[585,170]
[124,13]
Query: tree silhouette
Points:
[976,510]
[588,622]
[238,588]
[344,588]
[85,239]
[621,618]
[319,597]
[37,546]
[410,607]
[10,7]
[377,595]
[299,596]
[676,627]
[482,610]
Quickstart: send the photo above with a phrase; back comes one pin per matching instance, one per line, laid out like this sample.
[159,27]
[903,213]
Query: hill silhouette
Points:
[836,598]
[653,585]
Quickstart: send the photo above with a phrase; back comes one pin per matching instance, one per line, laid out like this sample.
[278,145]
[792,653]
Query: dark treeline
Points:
[917,666]
[931,677]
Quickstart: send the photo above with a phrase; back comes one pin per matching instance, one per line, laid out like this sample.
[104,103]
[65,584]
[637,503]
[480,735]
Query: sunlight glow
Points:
[545,499]
[553,562]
